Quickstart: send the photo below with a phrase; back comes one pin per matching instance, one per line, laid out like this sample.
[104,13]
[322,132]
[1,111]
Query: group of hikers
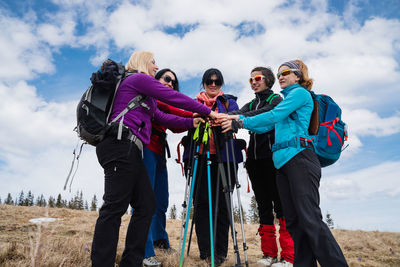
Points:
[282,166]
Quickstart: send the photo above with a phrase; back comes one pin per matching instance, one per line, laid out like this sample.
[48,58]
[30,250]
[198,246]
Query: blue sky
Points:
[50,48]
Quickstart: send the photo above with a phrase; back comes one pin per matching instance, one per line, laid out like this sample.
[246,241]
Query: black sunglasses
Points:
[217,82]
[168,79]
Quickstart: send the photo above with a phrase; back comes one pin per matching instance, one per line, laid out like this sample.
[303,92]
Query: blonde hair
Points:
[305,81]
[139,61]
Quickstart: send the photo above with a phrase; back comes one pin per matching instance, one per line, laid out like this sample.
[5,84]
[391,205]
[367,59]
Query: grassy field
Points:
[67,241]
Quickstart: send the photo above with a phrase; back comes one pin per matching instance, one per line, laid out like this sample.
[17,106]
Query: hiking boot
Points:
[282,263]
[151,262]
[164,246]
[161,244]
[267,261]
[218,260]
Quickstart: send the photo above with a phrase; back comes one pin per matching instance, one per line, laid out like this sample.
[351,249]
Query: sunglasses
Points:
[286,72]
[168,79]
[217,82]
[256,78]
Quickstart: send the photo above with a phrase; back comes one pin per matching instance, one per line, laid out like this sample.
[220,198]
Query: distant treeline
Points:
[28,199]
[77,203]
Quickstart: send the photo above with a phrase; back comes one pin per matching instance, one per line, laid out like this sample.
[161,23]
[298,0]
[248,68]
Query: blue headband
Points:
[293,65]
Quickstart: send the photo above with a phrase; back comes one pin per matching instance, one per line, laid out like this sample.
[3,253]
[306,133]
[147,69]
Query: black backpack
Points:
[94,108]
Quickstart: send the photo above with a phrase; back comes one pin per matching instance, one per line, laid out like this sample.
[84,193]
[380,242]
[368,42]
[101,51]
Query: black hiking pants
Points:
[262,174]
[201,215]
[298,184]
[126,182]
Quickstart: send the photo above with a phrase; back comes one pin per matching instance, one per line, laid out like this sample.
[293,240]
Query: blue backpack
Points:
[327,129]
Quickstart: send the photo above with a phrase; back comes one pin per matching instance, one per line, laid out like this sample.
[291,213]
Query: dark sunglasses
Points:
[168,79]
[217,82]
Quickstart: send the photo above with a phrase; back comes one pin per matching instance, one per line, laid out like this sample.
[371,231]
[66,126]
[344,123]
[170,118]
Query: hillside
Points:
[67,241]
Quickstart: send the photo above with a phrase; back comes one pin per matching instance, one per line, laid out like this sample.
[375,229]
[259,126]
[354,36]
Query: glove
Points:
[235,126]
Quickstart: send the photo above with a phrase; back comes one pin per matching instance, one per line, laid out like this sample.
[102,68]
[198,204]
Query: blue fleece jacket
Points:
[290,118]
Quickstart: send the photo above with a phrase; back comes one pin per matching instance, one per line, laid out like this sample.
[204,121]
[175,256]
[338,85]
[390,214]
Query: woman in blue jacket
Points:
[298,168]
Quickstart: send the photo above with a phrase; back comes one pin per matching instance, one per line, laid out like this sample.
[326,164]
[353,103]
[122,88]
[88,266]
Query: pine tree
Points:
[93,205]
[51,202]
[79,201]
[41,201]
[172,212]
[329,220]
[9,200]
[38,201]
[236,215]
[21,199]
[71,204]
[76,202]
[253,211]
[86,205]
[29,201]
[59,202]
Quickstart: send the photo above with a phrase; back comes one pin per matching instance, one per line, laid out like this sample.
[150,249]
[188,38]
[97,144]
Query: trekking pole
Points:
[227,192]
[196,193]
[196,138]
[184,206]
[234,233]
[239,201]
[191,228]
[216,206]
[188,174]
[206,137]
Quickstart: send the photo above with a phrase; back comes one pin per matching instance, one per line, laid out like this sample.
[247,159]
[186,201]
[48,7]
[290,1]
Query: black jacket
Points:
[260,144]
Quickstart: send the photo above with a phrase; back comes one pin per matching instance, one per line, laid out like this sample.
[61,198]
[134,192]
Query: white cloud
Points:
[58,35]
[31,122]
[20,48]
[369,182]
[365,122]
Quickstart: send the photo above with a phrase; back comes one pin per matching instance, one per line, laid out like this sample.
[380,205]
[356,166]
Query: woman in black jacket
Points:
[262,172]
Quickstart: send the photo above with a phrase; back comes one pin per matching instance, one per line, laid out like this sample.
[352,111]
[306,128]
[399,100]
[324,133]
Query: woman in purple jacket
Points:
[126,179]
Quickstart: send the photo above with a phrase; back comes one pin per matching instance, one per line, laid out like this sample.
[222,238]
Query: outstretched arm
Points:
[265,122]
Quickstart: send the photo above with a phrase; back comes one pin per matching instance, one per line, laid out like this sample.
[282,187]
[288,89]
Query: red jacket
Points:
[156,140]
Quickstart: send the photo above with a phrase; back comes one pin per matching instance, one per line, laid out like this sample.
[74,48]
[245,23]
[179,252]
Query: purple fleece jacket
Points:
[139,120]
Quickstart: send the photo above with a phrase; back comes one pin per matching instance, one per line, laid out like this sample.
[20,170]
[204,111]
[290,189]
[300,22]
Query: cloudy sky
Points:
[48,50]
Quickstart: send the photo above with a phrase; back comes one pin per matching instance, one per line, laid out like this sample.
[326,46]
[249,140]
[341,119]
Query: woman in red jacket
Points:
[155,162]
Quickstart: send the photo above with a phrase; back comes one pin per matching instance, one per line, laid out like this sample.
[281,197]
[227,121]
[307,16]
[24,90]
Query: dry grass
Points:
[67,242]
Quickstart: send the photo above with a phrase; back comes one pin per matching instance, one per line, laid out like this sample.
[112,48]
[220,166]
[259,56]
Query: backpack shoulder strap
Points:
[251,104]
[226,104]
[271,97]
[268,100]
[314,120]
[134,103]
